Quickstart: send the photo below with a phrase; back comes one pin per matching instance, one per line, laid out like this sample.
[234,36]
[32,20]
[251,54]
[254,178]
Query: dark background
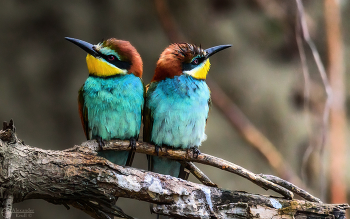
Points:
[41,73]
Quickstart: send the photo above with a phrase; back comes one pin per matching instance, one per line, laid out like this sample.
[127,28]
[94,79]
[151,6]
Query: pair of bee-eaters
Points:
[175,106]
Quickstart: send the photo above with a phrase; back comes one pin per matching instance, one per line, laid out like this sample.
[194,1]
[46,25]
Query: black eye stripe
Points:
[198,60]
[115,61]
[195,62]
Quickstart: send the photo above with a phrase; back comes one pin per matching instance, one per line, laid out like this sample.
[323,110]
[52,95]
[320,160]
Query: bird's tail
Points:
[164,166]
[167,167]
[117,157]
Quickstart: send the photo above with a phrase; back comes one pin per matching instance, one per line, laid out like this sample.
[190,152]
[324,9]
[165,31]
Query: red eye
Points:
[195,61]
[111,57]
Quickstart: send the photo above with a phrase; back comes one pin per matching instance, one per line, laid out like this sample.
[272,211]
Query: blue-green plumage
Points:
[112,107]
[177,111]
[177,104]
[111,100]
[179,107]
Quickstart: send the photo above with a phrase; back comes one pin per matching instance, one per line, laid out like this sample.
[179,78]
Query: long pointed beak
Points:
[88,47]
[211,51]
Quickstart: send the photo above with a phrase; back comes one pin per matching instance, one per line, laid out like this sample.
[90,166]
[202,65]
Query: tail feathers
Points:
[117,157]
[130,158]
[167,167]
[164,166]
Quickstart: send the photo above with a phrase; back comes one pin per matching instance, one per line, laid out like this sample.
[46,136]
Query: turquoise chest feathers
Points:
[114,106]
[179,108]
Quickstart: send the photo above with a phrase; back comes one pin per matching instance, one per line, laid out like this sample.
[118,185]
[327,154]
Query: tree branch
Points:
[198,174]
[291,187]
[78,178]
[146,148]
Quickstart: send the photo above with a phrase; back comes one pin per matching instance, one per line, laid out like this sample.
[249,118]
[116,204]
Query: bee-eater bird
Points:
[112,98]
[177,103]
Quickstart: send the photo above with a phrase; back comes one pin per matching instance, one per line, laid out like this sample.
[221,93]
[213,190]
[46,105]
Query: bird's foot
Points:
[132,144]
[157,149]
[195,151]
[100,143]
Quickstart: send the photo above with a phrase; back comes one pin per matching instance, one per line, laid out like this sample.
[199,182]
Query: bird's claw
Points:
[195,152]
[157,149]
[132,144]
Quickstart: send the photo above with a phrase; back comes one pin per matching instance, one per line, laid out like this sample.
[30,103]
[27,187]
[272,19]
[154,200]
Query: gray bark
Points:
[83,180]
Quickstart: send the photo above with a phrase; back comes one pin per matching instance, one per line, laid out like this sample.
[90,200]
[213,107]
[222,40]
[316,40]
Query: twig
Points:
[285,184]
[328,88]
[199,174]
[320,66]
[306,74]
[238,120]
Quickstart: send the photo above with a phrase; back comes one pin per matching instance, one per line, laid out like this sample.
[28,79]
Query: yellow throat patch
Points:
[201,71]
[101,68]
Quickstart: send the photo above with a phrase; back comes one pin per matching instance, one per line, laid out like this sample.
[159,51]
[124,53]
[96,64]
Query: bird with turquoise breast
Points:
[177,104]
[112,98]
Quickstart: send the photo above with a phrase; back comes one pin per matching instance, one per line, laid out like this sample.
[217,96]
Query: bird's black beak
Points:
[88,47]
[211,51]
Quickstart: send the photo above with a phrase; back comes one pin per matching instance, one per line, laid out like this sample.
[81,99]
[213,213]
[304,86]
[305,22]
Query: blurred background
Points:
[265,118]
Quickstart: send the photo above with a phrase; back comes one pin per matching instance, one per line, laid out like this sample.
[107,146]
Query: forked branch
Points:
[79,178]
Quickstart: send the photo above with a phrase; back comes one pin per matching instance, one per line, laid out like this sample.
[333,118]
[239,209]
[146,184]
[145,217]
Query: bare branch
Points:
[302,193]
[199,174]
[146,148]
[320,66]
[78,178]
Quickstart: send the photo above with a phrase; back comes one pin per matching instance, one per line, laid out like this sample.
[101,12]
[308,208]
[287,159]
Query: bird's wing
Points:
[184,173]
[144,95]
[132,153]
[148,120]
[83,113]
[210,103]
[147,134]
